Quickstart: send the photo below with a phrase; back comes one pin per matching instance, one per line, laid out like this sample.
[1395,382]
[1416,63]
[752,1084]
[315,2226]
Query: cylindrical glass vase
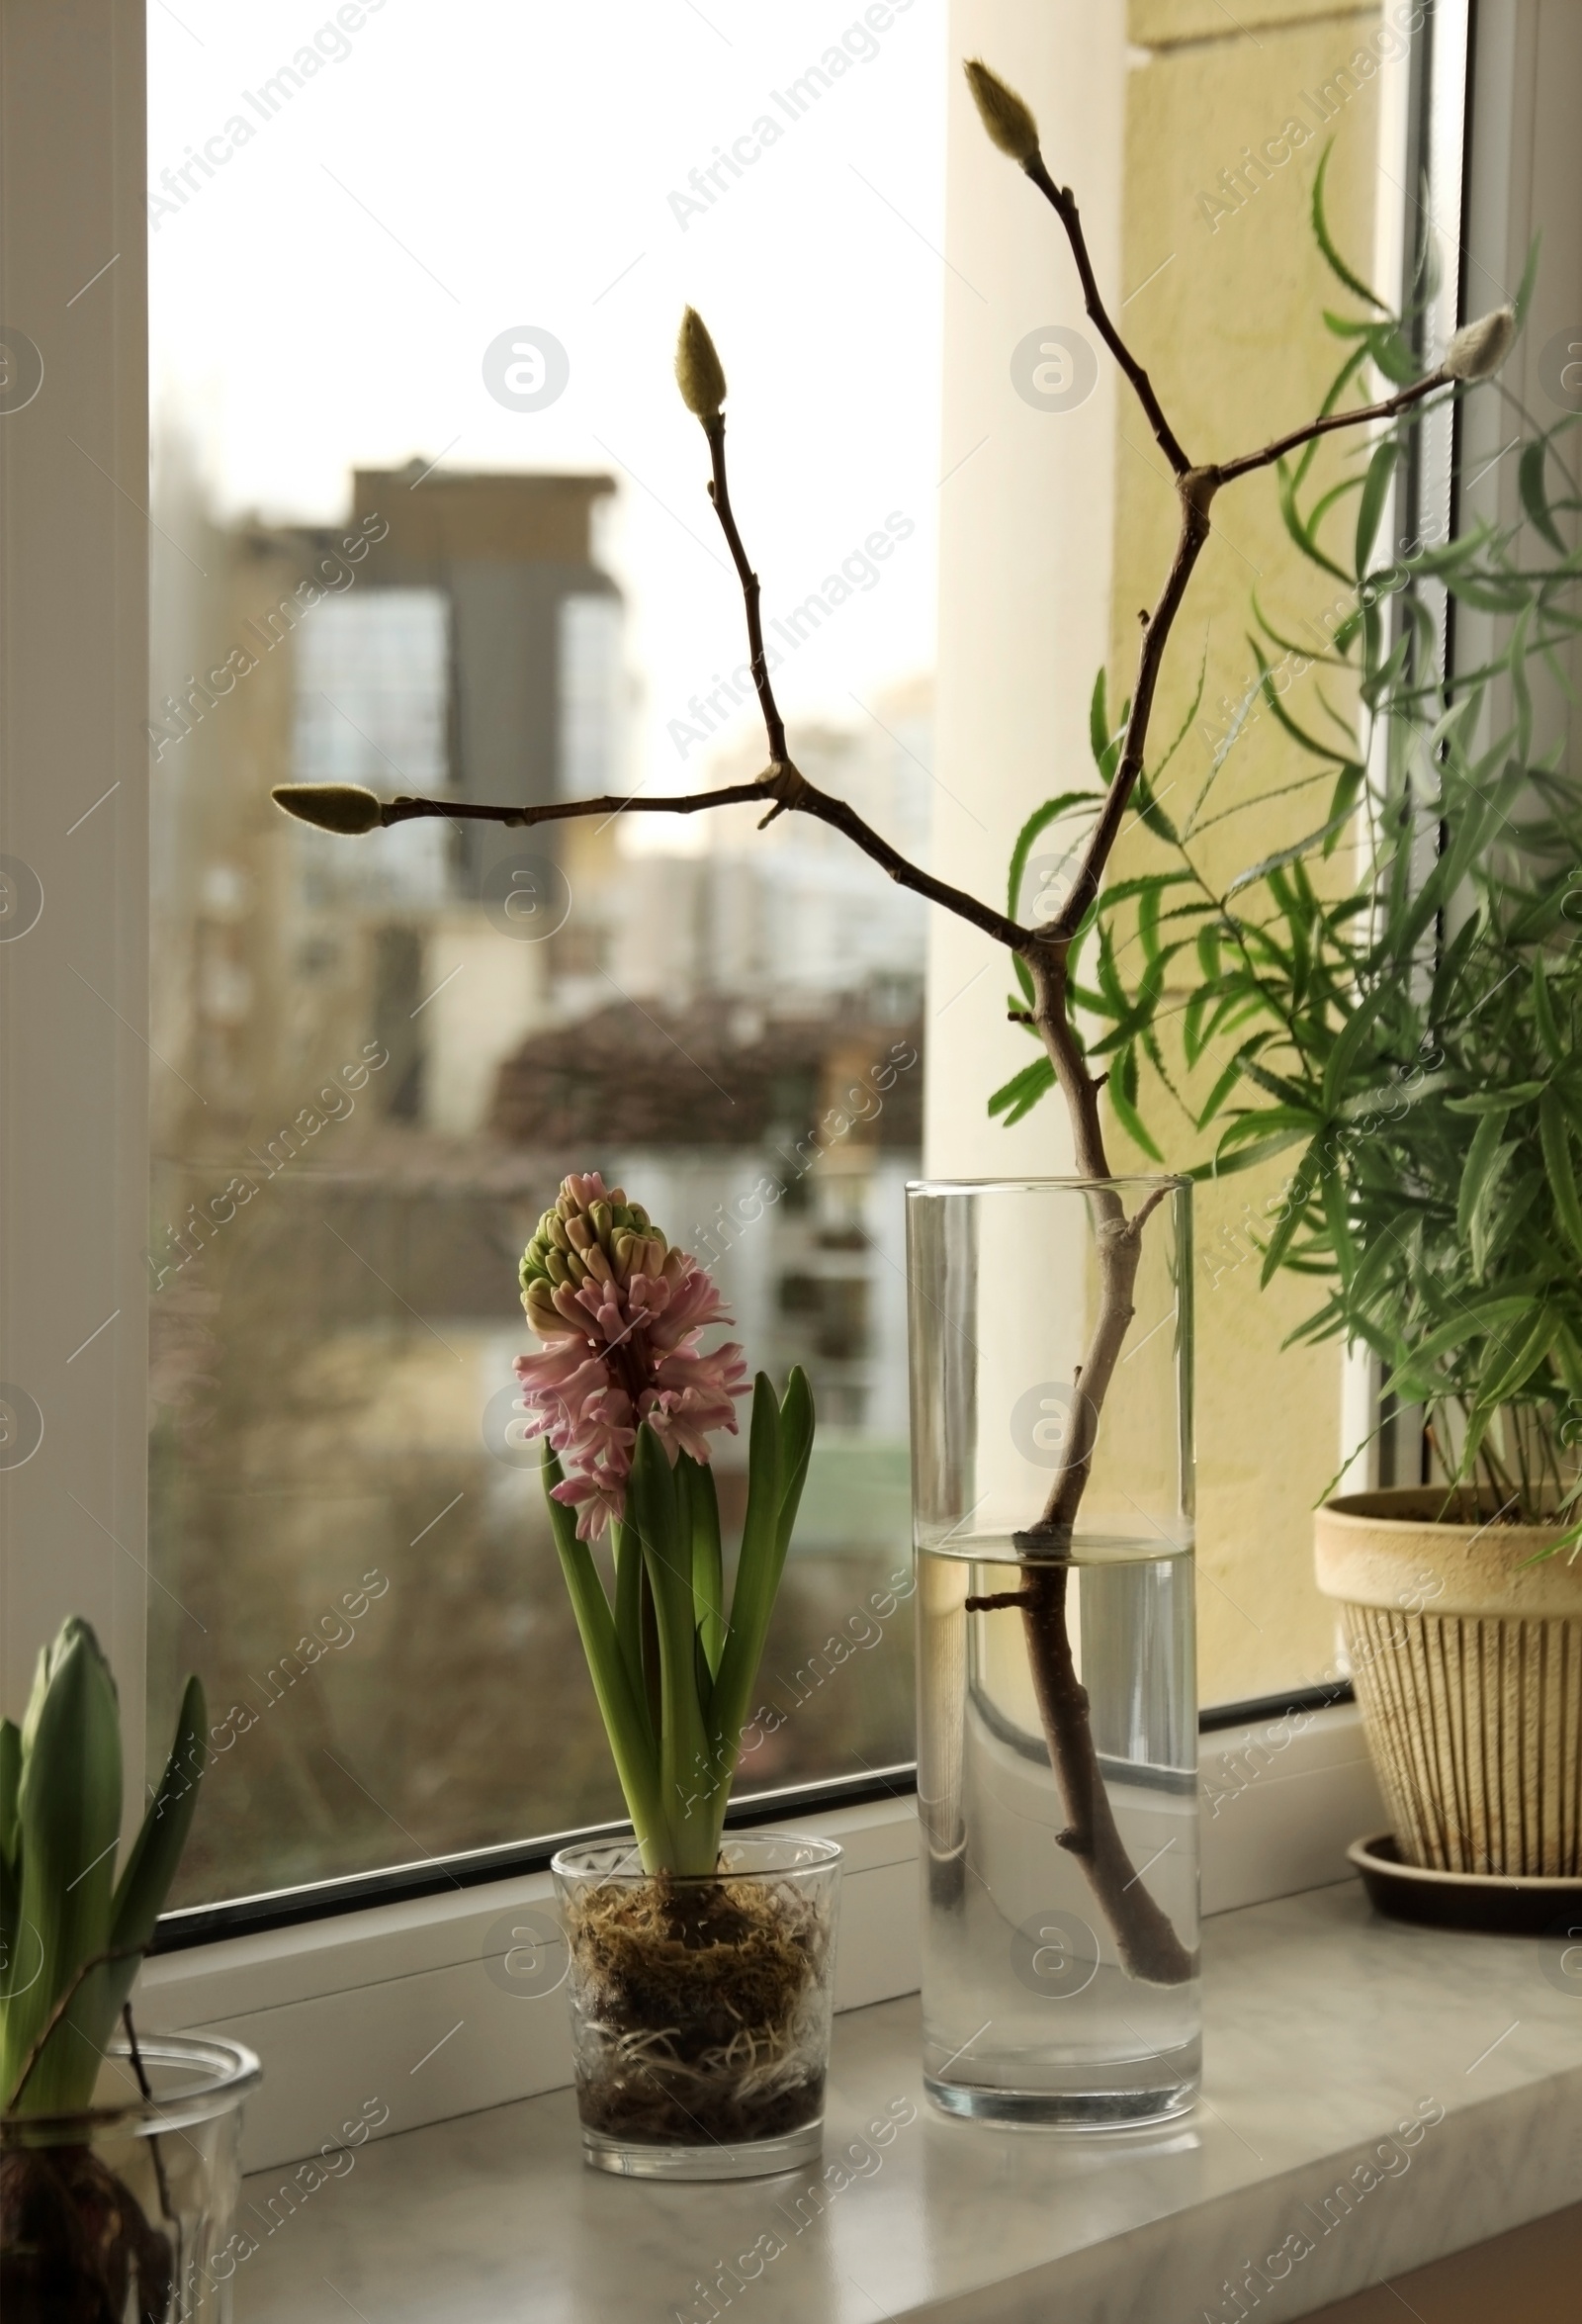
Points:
[122,2214]
[700,2006]
[1057,1706]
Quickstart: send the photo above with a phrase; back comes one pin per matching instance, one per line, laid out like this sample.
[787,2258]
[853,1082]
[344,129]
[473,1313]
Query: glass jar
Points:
[122,2214]
[1057,1711]
[700,2006]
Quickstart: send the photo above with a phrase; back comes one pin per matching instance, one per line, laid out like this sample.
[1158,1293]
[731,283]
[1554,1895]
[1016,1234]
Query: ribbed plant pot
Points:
[1467,1664]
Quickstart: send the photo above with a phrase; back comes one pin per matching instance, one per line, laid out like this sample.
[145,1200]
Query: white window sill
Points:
[1326,2029]
[406,2003]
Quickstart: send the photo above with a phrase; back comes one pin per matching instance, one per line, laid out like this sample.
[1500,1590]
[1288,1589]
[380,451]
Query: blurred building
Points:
[454,638]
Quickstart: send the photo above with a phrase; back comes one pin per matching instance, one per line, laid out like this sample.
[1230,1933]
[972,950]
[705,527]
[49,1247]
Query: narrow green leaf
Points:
[1336,263]
[1371,509]
[9,1777]
[1543,1012]
[780,1447]
[1534,500]
[708,1562]
[1037,823]
[626,1723]
[1122,1088]
[1023,1091]
[1486,1161]
[1518,1369]
[1098,720]
[68,1819]
[1554,1135]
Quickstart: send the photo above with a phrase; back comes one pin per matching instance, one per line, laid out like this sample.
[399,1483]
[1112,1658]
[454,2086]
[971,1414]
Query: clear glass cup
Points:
[122,2214]
[700,2006]
[1057,1710]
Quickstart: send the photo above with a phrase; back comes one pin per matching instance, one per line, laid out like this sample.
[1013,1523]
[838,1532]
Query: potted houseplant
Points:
[701,1967]
[105,2215]
[1393,1000]
[1087,2063]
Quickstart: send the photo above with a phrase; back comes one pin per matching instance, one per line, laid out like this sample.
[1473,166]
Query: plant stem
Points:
[1144,1936]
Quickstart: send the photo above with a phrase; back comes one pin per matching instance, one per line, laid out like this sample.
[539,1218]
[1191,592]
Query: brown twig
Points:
[720,494]
[778,788]
[162,2176]
[1147,1940]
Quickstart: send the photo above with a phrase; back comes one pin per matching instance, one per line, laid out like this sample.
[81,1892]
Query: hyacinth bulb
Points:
[1479,348]
[1008,118]
[622,1311]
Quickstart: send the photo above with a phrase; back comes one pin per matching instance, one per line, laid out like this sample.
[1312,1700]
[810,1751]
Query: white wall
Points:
[1024,605]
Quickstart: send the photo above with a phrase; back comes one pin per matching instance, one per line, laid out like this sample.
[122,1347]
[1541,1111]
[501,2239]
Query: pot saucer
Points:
[1487,1902]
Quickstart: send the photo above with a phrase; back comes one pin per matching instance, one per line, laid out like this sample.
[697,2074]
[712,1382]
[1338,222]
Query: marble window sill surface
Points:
[1290,2186]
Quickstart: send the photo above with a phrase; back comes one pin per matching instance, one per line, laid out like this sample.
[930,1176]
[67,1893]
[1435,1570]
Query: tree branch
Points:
[720,494]
[1228,470]
[1063,203]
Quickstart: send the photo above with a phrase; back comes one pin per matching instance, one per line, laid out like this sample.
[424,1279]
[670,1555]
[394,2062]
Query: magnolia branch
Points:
[1148,1942]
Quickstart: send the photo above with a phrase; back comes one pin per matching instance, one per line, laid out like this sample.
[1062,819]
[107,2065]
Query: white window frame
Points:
[74,1064]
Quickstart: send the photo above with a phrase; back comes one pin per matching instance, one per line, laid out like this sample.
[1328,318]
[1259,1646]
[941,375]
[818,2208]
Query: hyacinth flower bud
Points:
[344,807]
[1007,116]
[1479,348]
[699,373]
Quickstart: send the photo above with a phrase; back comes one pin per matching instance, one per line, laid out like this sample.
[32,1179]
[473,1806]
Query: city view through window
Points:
[383,562]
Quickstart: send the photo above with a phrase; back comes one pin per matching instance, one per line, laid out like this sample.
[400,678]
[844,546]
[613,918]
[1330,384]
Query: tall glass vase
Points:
[1057,1707]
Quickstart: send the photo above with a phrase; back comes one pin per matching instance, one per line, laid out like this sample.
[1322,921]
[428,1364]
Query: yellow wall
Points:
[1231,332]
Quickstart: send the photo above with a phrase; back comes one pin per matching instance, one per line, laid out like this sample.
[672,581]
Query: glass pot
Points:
[700,2006]
[122,2214]
[1057,1714]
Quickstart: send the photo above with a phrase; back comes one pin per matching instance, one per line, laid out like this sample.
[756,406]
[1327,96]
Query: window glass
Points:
[429,516]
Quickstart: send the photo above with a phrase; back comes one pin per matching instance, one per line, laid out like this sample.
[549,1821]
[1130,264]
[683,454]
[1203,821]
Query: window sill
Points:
[1326,2029]
[339,2009]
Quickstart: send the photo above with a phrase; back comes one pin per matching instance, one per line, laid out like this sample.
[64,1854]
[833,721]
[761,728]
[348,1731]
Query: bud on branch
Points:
[1008,120]
[699,373]
[1479,348]
[344,807]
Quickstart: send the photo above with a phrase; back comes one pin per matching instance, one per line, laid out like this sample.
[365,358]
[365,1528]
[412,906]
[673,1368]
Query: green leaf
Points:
[1321,234]
[1543,1013]
[708,1562]
[1371,509]
[68,1802]
[1097,721]
[1037,823]
[626,1723]
[1554,1135]
[1284,855]
[145,1883]
[780,1446]
[1487,1160]
[9,1777]
[1151,812]
[1023,1091]
[657,1503]
[1530,474]
[1519,1367]
[1122,1087]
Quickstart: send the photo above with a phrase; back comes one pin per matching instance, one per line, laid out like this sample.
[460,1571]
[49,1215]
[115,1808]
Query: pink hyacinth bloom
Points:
[621,1314]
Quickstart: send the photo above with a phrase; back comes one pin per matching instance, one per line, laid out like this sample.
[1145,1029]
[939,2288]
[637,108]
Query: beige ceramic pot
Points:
[1467,1664]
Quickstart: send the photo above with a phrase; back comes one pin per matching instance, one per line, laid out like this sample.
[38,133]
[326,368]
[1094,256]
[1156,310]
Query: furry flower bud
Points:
[1479,348]
[331,806]
[699,373]
[1006,118]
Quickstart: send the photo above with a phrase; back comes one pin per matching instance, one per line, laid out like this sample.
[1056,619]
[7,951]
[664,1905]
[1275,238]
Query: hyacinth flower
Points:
[627,1401]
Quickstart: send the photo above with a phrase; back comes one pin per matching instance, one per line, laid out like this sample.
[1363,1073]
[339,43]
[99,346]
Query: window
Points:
[393,543]
[429,516]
